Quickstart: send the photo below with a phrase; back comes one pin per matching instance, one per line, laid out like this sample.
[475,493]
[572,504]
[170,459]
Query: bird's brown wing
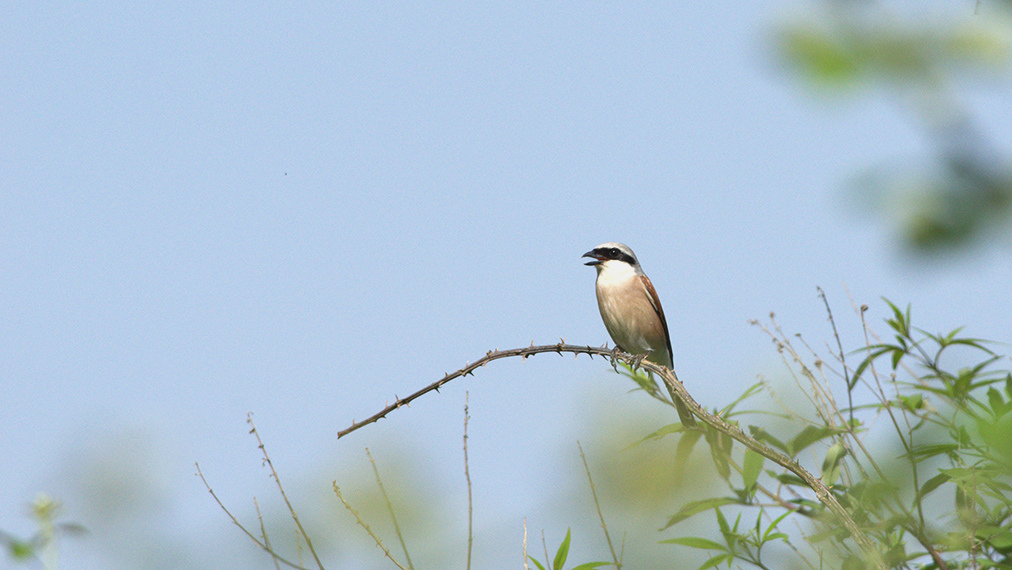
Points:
[684,414]
[655,301]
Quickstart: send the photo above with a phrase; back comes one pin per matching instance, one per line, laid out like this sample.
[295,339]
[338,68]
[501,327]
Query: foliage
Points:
[923,466]
[42,546]
[559,562]
[961,194]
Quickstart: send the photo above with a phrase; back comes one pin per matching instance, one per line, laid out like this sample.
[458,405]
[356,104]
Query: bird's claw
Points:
[614,358]
[637,360]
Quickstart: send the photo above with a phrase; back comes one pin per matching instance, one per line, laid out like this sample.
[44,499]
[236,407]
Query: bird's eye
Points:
[613,252]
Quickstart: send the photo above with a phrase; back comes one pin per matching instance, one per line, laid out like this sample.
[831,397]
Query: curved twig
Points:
[716,422]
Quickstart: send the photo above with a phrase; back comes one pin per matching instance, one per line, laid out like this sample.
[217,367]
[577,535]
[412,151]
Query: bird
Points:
[632,311]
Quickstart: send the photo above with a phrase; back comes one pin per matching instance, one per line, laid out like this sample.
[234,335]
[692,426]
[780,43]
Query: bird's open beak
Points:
[597,258]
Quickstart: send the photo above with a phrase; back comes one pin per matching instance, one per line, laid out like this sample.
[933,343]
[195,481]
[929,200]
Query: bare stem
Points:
[821,491]
[390,508]
[262,545]
[277,480]
[593,491]
[358,518]
[467,475]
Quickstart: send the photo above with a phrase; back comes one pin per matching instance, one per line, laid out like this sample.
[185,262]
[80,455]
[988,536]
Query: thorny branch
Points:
[821,490]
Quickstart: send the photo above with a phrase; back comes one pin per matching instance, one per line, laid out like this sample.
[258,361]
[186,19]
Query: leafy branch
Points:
[717,423]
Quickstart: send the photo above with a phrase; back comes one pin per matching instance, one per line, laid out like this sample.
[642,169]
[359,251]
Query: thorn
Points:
[532,344]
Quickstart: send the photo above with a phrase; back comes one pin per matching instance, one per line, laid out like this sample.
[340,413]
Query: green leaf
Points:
[695,507]
[720,457]
[770,533]
[925,451]
[853,562]
[790,479]
[897,356]
[751,468]
[536,563]
[963,383]
[685,445]
[817,55]
[912,403]
[716,561]
[831,464]
[660,433]
[765,437]
[722,523]
[562,553]
[996,401]
[754,388]
[808,436]
[900,322]
[775,536]
[696,542]
[20,549]
[996,537]
[932,484]
[590,565]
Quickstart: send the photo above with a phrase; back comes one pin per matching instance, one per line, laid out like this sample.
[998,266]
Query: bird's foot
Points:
[637,360]
[614,357]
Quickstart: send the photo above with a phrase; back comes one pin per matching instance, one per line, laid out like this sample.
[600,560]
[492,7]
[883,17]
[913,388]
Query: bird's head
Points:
[612,254]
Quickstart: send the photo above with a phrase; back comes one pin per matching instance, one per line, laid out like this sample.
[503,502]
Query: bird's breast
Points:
[631,319]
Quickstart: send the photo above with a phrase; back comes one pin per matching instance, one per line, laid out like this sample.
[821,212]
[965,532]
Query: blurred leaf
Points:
[831,464]
[696,542]
[725,529]
[685,445]
[932,484]
[921,452]
[818,56]
[998,405]
[996,537]
[751,468]
[809,435]
[590,565]
[789,479]
[912,403]
[660,433]
[765,437]
[750,391]
[852,562]
[717,561]
[18,549]
[695,507]
[717,452]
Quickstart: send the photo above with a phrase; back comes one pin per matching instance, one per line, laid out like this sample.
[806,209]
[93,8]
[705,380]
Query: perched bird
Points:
[632,311]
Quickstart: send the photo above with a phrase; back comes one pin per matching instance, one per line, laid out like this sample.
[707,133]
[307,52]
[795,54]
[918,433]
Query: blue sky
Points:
[302,209]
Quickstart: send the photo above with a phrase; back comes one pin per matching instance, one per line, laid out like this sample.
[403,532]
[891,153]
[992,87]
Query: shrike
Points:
[632,311]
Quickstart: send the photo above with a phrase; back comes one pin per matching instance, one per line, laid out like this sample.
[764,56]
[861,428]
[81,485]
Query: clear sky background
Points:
[300,210]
